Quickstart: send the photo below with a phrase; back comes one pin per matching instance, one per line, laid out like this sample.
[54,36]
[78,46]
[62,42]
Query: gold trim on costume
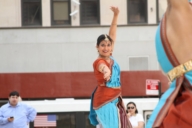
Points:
[180,70]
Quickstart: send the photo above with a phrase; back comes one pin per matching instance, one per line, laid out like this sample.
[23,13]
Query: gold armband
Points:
[101,68]
[180,70]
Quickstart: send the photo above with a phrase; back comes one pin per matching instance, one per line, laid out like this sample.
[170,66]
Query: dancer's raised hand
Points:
[115,10]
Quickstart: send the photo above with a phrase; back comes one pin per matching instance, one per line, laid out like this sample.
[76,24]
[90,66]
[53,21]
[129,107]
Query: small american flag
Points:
[45,120]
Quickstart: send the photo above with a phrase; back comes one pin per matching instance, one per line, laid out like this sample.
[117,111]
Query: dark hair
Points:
[102,37]
[14,93]
[136,111]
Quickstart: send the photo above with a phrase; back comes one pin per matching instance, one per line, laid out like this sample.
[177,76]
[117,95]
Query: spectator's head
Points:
[131,108]
[14,98]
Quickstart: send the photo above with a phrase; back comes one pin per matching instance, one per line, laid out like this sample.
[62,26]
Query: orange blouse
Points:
[103,94]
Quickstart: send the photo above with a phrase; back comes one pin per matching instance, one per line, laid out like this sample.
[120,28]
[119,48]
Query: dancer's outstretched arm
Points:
[113,27]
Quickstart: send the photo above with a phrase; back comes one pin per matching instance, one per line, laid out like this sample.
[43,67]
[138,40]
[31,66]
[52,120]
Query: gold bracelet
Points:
[102,68]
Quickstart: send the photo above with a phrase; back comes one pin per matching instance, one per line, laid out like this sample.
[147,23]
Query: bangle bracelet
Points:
[102,68]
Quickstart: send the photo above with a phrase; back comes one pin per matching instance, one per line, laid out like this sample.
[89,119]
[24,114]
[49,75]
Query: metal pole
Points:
[159,86]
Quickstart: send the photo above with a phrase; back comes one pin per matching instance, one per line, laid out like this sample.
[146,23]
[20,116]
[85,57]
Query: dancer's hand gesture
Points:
[107,74]
[115,10]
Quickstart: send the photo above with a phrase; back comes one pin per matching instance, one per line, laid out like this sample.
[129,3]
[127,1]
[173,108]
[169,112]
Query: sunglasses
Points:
[130,107]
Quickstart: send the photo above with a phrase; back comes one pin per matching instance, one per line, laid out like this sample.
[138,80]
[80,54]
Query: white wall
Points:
[75,19]
[46,13]
[70,49]
[152,12]
[162,8]
[106,14]
[70,104]
[10,13]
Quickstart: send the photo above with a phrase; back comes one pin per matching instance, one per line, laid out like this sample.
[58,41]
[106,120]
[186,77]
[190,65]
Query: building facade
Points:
[48,36]
[41,36]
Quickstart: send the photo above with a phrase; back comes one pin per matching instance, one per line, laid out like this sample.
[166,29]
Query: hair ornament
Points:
[106,37]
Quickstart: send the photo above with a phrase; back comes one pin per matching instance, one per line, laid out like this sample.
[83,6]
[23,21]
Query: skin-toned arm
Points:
[179,4]
[140,125]
[113,27]
[105,70]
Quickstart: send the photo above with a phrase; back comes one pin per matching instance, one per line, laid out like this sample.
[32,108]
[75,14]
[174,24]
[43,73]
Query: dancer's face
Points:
[131,109]
[105,48]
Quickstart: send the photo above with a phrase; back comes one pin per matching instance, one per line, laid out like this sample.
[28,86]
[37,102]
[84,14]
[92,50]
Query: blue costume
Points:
[168,112]
[107,113]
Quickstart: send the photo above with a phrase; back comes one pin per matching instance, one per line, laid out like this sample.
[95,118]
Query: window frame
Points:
[79,120]
[128,13]
[3,103]
[98,12]
[22,18]
[157,11]
[69,10]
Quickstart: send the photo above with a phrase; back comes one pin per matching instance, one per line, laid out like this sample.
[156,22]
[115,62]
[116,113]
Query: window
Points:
[147,114]
[2,103]
[60,12]
[67,120]
[137,11]
[62,120]
[138,63]
[87,122]
[89,12]
[31,12]
[59,120]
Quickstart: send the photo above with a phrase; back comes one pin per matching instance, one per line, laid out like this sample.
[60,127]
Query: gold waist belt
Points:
[180,70]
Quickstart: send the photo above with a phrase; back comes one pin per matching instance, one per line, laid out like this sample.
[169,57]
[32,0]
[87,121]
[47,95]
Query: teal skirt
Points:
[108,115]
